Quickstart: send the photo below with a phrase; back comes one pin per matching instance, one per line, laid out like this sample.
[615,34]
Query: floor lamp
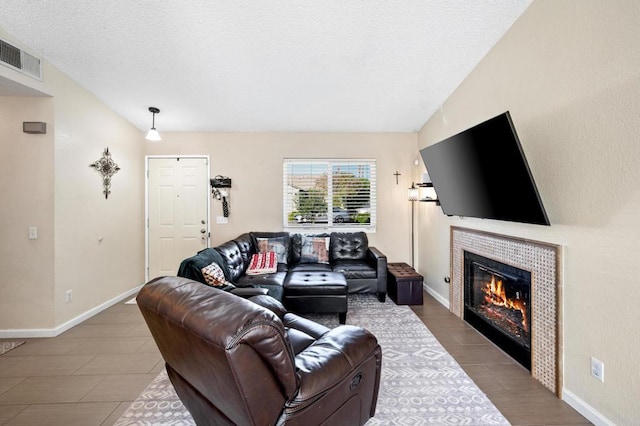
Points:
[413,197]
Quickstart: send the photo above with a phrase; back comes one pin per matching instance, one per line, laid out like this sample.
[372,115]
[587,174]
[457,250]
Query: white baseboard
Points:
[585,409]
[53,332]
[444,302]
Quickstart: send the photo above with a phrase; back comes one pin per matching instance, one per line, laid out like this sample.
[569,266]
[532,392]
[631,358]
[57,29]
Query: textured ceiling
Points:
[333,65]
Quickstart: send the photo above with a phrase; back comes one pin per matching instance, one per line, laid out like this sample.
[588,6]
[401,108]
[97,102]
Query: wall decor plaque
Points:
[107,168]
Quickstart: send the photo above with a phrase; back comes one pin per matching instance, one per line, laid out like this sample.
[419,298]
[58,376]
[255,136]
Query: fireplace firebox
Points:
[497,303]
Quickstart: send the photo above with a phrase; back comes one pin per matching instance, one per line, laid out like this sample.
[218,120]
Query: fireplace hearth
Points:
[497,302]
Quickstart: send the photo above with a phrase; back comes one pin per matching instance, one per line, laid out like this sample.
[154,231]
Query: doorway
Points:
[177,211]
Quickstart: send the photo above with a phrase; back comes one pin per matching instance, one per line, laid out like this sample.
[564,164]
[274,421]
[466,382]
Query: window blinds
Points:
[332,194]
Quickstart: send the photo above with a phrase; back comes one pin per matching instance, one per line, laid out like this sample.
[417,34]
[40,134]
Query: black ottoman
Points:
[404,284]
[323,292]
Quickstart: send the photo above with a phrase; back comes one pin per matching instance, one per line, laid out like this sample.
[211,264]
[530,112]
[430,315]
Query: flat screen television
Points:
[482,172]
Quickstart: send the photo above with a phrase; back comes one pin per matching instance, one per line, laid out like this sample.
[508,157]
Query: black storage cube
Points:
[404,284]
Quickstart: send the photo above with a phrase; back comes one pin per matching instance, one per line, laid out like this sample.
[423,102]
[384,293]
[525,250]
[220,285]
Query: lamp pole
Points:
[412,232]
[413,197]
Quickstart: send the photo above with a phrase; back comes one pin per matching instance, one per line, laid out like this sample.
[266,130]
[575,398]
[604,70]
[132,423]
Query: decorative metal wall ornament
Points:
[107,168]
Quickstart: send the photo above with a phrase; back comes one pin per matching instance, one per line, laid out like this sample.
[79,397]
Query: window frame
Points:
[331,165]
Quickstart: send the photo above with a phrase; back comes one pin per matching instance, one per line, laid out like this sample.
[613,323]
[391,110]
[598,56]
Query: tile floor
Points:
[519,397]
[91,374]
[86,376]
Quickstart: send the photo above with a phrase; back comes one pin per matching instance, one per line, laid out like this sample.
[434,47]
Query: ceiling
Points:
[294,66]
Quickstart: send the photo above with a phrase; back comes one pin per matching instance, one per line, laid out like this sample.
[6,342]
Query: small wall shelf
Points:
[427,200]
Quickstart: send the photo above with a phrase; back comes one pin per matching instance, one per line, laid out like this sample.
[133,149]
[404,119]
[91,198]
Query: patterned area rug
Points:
[421,384]
[7,346]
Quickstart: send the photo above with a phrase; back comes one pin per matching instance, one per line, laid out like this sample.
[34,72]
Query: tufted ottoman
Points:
[313,291]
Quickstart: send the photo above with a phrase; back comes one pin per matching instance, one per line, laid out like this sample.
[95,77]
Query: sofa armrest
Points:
[269,303]
[331,359]
[311,328]
[248,291]
[378,260]
[374,254]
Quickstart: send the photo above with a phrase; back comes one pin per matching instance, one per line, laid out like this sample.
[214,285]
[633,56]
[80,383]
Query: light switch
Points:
[33,233]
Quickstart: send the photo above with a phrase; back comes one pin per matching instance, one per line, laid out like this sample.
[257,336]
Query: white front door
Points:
[177,212]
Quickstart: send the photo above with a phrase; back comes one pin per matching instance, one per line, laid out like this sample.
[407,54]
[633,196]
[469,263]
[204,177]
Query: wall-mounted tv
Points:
[482,172]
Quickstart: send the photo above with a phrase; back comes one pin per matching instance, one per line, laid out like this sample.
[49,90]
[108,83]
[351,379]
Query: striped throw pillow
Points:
[263,263]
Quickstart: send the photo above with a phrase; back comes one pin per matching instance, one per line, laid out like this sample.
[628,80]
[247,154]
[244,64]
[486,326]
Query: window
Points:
[330,194]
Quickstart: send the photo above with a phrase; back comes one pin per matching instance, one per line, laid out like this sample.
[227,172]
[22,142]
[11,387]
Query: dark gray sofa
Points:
[364,267]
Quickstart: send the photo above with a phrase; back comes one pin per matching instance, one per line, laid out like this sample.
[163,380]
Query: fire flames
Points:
[495,295]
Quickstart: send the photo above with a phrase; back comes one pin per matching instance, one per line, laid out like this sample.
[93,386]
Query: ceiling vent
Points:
[20,60]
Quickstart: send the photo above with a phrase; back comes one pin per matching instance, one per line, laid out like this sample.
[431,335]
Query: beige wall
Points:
[92,246]
[569,72]
[99,242]
[26,185]
[254,163]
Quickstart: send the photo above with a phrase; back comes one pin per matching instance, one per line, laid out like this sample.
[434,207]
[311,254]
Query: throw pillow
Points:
[263,263]
[314,249]
[214,276]
[276,245]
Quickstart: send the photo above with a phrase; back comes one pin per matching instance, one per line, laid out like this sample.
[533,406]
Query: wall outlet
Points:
[33,233]
[221,220]
[597,369]
[68,295]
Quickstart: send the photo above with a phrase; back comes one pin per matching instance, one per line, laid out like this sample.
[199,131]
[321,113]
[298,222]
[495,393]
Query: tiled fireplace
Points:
[513,292]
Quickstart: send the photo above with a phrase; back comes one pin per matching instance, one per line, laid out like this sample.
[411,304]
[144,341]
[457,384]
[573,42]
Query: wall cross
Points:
[396,174]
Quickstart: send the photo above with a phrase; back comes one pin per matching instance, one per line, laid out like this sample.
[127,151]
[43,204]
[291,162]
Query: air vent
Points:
[20,60]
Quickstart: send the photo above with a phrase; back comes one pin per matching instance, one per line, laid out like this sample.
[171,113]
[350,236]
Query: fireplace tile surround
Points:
[543,261]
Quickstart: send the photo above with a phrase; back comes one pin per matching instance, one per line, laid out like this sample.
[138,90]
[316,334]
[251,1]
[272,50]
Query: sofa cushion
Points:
[246,245]
[310,267]
[348,246]
[263,263]
[354,269]
[296,242]
[280,244]
[272,282]
[276,245]
[276,278]
[231,254]
[314,249]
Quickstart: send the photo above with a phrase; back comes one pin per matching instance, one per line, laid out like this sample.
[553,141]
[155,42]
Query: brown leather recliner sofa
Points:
[249,362]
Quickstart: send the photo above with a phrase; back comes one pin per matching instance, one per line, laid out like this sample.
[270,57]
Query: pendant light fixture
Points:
[153,134]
